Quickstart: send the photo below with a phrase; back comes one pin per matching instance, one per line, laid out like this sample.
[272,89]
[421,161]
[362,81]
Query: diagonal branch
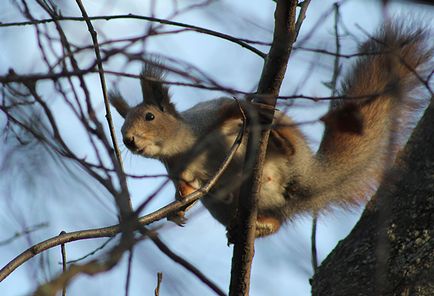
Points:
[178,259]
[123,201]
[98,266]
[108,116]
[115,229]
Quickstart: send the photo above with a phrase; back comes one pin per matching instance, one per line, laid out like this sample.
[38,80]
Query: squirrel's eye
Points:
[149,116]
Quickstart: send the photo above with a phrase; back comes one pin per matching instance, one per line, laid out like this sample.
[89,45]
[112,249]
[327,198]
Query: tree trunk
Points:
[391,249]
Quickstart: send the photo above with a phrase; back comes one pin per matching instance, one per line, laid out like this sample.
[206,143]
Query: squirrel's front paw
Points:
[178,218]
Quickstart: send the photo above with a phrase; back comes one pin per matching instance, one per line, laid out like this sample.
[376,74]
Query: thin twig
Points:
[124,205]
[336,66]
[159,279]
[122,199]
[301,16]
[93,252]
[333,86]
[110,231]
[239,41]
[313,243]
[95,267]
[91,268]
[341,55]
[27,230]
[129,268]
[178,259]
[233,91]
[54,76]
[63,250]
[108,116]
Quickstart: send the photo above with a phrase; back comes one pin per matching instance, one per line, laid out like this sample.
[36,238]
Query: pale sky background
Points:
[282,262]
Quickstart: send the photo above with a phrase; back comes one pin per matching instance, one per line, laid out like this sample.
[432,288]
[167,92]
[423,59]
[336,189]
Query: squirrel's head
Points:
[153,128]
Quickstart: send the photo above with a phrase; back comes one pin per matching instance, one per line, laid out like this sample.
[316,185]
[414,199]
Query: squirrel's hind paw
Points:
[264,226]
[178,218]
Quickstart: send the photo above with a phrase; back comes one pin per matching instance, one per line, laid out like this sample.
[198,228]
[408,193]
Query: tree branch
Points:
[94,267]
[242,42]
[63,252]
[115,229]
[178,259]
[108,116]
[25,231]
[159,279]
[123,200]
[269,85]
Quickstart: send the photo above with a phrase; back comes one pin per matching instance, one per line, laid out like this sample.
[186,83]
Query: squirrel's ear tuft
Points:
[118,102]
[153,90]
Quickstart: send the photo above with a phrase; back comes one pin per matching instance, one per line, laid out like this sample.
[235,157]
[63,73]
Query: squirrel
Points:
[359,141]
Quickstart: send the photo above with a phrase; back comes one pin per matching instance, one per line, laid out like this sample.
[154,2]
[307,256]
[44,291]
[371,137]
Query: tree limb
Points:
[395,228]
[239,41]
[269,85]
[115,229]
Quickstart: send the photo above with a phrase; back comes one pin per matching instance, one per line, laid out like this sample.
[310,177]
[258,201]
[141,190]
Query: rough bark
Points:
[391,249]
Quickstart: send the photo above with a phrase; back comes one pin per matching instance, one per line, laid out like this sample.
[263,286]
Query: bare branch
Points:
[178,259]
[91,268]
[159,279]
[123,201]
[301,16]
[94,267]
[269,84]
[129,266]
[333,86]
[336,66]
[110,231]
[93,252]
[108,116]
[239,41]
[314,254]
[25,231]
[63,251]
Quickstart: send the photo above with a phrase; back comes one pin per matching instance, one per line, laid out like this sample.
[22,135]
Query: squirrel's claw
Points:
[232,230]
[178,218]
[264,226]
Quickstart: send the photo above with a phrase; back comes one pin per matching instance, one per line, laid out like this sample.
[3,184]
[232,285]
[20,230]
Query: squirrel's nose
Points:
[129,142]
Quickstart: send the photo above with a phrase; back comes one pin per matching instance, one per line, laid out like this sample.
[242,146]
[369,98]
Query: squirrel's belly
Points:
[272,187]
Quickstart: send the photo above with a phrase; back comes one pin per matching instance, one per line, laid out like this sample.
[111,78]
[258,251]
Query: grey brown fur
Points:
[357,146]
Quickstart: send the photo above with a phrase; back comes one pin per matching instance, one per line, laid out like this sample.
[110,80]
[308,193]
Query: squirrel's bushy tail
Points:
[362,130]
